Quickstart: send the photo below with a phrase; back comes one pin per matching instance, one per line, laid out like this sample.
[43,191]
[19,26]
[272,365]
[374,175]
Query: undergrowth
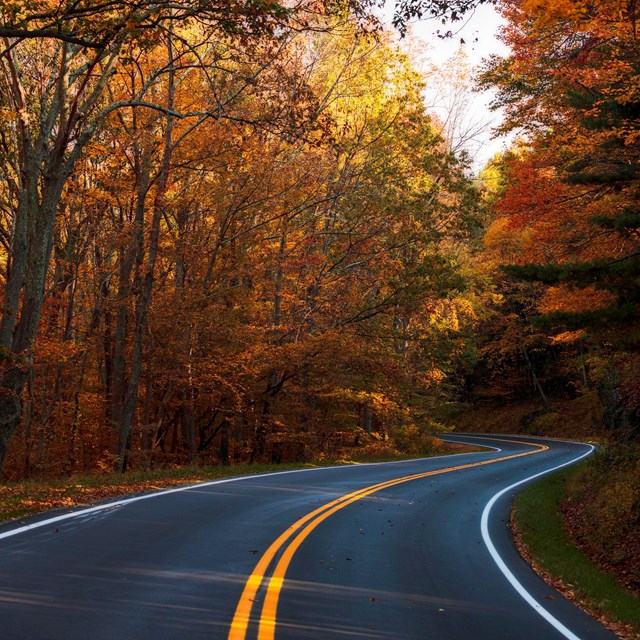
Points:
[28,497]
[545,542]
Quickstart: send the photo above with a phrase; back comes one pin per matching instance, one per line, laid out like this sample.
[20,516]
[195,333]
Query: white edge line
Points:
[163,492]
[553,621]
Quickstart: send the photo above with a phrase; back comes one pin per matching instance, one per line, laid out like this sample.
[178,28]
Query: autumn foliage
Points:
[563,247]
[566,213]
[257,253]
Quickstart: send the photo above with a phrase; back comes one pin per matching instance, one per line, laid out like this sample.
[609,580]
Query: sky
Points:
[479,32]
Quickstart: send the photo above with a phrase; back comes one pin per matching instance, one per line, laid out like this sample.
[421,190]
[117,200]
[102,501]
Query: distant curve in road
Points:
[413,549]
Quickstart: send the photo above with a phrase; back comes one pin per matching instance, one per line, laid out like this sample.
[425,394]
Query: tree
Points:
[572,195]
[55,71]
[582,171]
[246,215]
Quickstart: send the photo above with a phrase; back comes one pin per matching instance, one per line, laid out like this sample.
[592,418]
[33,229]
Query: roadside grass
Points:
[544,542]
[29,497]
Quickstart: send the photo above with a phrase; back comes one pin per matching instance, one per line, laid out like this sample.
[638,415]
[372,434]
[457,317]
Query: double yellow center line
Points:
[303,527]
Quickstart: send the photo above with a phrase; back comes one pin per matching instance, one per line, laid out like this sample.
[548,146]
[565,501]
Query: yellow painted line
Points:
[243,610]
[267,624]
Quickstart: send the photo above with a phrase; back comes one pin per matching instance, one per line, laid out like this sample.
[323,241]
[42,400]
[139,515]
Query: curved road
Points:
[416,549]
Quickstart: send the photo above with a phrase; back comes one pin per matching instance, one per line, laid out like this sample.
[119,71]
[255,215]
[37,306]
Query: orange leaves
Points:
[535,192]
[566,206]
[547,12]
[564,298]
[541,217]
[295,265]
[568,337]
[604,17]
[502,243]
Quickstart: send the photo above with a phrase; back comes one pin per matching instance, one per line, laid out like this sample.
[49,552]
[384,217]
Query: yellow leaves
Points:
[7,115]
[277,259]
[379,402]
[414,439]
[451,314]
[15,11]
[432,377]
[501,241]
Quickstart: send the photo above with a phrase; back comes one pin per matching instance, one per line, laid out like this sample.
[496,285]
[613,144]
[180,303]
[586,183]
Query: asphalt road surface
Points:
[408,550]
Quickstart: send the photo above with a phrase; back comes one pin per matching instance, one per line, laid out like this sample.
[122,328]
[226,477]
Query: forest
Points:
[232,232]
[225,246]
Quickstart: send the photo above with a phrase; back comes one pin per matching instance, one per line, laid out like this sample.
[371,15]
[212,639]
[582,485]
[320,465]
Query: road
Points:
[415,549]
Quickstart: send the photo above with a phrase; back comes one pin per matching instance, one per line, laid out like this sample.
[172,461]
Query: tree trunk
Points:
[28,277]
[536,382]
[44,164]
[367,418]
[146,285]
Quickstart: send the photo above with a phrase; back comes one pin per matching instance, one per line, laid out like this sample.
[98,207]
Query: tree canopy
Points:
[571,200]
[228,232]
